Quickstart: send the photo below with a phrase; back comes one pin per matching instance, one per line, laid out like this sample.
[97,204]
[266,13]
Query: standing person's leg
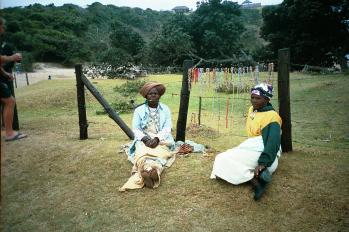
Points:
[9,104]
[8,108]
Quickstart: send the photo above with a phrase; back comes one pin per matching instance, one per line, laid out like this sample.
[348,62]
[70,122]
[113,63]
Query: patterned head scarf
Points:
[263,89]
[148,86]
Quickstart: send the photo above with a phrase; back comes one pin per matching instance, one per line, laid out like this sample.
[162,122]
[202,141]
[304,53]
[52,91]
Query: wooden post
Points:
[15,79]
[184,102]
[112,114]
[199,117]
[81,102]
[26,77]
[284,98]
[15,123]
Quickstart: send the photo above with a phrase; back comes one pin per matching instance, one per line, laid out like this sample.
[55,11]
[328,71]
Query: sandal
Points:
[16,137]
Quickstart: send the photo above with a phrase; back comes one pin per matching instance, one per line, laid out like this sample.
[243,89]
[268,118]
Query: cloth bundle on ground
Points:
[187,147]
[197,147]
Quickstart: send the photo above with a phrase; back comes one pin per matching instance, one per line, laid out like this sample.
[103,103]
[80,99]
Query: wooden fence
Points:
[283,94]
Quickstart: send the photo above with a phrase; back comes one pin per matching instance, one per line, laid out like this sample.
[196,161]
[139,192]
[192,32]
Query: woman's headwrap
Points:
[148,86]
[263,89]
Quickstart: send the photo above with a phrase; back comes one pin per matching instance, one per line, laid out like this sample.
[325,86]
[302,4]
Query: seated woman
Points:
[150,151]
[256,158]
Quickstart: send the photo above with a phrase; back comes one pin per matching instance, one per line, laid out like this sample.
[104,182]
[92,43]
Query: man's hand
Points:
[17,57]
[258,170]
[10,77]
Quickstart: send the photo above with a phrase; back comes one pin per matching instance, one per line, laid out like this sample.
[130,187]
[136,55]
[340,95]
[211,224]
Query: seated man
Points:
[257,157]
[150,151]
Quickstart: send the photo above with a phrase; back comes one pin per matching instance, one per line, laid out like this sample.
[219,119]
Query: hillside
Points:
[69,34]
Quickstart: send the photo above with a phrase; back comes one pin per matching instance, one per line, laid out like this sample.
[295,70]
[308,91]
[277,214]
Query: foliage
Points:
[27,62]
[216,29]
[126,44]
[123,36]
[251,41]
[130,88]
[316,31]
[67,34]
[230,88]
[126,95]
[122,105]
[173,43]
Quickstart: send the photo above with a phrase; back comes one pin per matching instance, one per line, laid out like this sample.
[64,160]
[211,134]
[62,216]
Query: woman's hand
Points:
[149,142]
[258,170]
[153,142]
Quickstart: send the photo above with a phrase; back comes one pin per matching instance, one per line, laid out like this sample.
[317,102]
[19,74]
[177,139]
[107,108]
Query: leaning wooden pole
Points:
[184,102]
[112,114]
[284,98]
[199,116]
[80,90]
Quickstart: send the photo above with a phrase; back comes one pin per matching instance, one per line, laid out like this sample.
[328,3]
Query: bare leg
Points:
[9,105]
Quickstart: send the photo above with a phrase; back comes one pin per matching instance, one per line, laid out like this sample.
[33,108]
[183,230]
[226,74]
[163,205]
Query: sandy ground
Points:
[42,71]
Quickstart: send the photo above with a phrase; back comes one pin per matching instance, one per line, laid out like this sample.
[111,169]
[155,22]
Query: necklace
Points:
[153,111]
[253,114]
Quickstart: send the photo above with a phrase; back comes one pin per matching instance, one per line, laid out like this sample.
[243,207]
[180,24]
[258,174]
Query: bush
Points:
[229,88]
[27,62]
[130,88]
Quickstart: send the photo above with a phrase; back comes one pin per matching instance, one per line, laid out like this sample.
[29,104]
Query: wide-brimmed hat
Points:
[148,86]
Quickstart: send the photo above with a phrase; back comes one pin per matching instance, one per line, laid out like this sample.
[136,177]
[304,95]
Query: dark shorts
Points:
[5,91]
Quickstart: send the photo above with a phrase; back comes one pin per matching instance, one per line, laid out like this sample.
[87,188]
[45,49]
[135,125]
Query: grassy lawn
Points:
[52,181]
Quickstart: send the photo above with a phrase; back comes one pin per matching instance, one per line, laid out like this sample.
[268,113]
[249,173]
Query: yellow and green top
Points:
[267,123]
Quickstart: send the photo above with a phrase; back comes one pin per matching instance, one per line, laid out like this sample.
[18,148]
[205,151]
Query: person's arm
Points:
[165,131]
[14,58]
[5,74]
[136,125]
[271,135]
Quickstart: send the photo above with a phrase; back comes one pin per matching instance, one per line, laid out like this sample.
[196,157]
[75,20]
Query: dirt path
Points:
[42,72]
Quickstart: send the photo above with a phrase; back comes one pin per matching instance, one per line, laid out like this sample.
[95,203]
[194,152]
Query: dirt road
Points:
[42,72]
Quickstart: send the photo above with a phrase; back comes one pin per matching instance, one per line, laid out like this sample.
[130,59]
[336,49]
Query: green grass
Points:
[52,181]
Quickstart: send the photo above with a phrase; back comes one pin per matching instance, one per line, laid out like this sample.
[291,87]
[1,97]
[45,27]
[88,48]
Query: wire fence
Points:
[225,112]
[220,97]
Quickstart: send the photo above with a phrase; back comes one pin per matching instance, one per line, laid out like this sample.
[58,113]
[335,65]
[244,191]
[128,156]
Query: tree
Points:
[316,32]
[172,44]
[216,29]
[127,42]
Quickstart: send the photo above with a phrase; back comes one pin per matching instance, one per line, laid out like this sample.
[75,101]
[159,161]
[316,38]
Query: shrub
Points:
[130,88]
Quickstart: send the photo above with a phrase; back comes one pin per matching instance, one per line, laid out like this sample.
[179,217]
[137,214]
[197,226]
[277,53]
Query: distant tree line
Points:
[316,32]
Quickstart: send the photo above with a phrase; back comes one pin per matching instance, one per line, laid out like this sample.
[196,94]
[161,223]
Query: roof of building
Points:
[180,8]
[246,2]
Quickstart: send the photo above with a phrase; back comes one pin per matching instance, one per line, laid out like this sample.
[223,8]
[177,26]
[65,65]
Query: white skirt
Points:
[237,165]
